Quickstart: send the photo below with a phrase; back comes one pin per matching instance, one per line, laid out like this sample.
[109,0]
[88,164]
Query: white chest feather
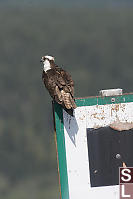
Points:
[47,65]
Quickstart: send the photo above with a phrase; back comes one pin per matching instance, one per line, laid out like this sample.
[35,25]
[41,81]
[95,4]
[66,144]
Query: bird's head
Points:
[48,62]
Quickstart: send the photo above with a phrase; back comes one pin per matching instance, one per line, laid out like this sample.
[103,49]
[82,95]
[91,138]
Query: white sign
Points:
[72,145]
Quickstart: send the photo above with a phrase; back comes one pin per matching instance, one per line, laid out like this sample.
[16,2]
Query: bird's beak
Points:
[41,60]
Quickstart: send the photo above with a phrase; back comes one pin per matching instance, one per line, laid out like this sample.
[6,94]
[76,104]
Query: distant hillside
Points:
[68,2]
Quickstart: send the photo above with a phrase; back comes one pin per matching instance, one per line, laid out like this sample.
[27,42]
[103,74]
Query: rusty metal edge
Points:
[57,159]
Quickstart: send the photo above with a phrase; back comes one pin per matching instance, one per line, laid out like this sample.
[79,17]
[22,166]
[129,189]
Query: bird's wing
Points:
[65,88]
[65,81]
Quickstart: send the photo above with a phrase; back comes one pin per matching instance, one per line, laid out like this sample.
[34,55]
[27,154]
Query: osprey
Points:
[59,84]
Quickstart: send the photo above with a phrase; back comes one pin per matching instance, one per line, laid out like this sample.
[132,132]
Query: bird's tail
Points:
[68,100]
[69,111]
[69,103]
[72,102]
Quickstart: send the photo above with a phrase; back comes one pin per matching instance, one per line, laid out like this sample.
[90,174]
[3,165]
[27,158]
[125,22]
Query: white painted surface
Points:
[77,151]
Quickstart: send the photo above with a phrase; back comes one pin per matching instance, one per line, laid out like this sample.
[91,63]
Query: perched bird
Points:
[59,83]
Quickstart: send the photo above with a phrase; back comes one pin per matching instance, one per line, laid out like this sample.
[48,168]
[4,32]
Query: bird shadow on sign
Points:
[69,122]
[71,127]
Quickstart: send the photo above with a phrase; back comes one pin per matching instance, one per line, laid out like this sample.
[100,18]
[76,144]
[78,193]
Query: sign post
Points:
[92,145]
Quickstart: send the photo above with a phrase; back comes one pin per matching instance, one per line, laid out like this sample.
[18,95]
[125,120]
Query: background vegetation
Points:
[94,43]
